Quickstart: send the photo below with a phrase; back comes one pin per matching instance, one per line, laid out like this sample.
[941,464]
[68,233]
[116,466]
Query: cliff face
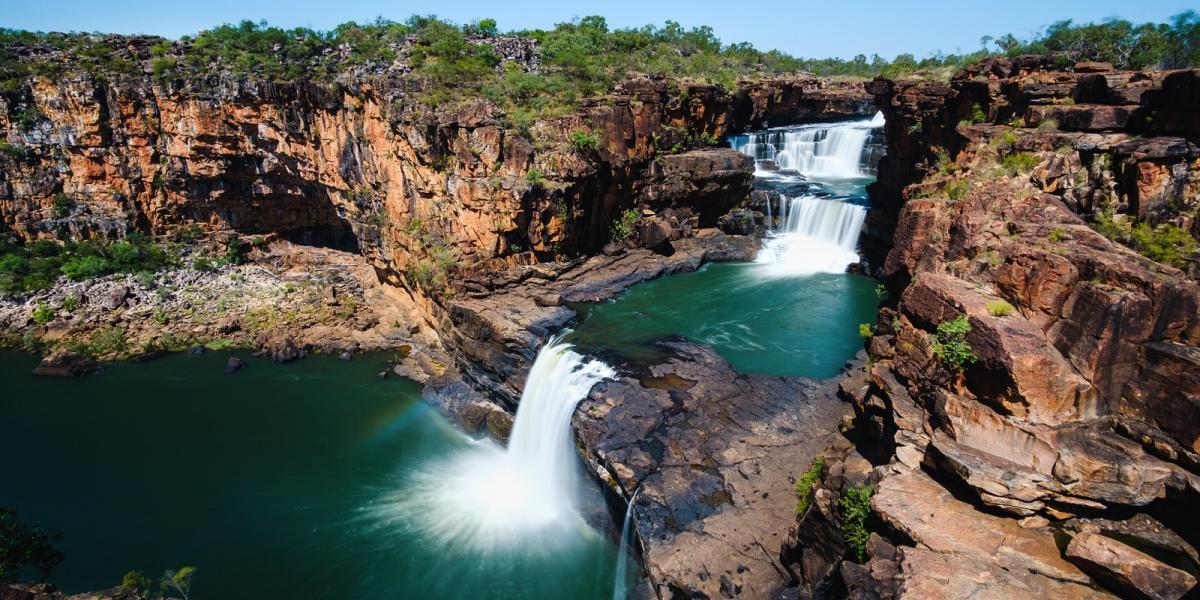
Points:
[371,166]
[1067,398]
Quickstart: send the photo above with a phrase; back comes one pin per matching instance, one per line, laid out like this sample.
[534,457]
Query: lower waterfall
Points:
[623,551]
[490,496]
[813,235]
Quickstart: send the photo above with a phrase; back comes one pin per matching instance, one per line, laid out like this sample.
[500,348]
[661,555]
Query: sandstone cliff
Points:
[1072,416]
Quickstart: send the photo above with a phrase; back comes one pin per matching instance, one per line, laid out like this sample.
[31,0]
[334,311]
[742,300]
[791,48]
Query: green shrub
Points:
[108,342]
[999,308]
[86,267]
[1048,126]
[622,228]
[957,189]
[70,303]
[42,314]
[584,141]
[855,508]
[535,178]
[804,485]
[866,330]
[135,582]
[1020,163]
[1166,243]
[1057,234]
[235,252]
[63,205]
[950,345]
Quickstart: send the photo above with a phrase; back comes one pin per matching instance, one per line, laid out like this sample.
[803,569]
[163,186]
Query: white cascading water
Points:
[811,234]
[814,235]
[825,151]
[488,496]
[623,555]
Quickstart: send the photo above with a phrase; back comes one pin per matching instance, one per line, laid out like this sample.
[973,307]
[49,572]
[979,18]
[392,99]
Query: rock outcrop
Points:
[1028,454]
[711,455]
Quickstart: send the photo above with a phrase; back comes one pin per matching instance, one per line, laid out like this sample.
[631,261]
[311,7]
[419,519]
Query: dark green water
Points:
[281,481]
[799,326]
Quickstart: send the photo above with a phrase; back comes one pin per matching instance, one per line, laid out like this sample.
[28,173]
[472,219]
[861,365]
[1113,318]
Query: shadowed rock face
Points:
[714,455]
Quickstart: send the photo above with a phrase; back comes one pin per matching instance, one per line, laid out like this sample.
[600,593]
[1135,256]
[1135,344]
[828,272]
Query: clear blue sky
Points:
[801,27]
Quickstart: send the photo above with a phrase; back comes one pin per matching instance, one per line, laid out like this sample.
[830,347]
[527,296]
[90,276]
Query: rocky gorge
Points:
[1058,460]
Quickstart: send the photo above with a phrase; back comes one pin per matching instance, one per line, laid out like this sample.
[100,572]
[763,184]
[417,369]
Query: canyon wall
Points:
[371,165]
[1028,410]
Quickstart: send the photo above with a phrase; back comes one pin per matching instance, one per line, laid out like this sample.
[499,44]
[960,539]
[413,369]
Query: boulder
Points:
[65,363]
[234,364]
[1126,570]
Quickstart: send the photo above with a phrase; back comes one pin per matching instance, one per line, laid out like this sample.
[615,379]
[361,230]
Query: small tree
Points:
[951,346]
[178,581]
[135,581]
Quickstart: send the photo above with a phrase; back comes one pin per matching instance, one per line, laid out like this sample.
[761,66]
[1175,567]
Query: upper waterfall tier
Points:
[843,150]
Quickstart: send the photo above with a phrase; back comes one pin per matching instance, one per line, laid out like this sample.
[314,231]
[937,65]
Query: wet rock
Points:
[65,363]
[234,364]
[1126,570]
[346,356]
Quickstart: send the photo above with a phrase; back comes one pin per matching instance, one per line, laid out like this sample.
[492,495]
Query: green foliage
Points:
[1127,46]
[1166,243]
[235,252]
[35,266]
[866,330]
[881,291]
[584,141]
[86,267]
[999,308]
[63,205]
[977,116]
[24,547]
[806,482]
[1056,235]
[70,303]
[27,117]
[957,189]
[179,582]
[42,314]
[1020,163]
[1048,126]
[855,508]
[136,582]
[622,227]
[950,345]
[110,341]
[535,178]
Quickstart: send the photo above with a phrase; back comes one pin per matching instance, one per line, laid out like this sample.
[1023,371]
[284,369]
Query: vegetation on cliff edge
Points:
[532,72]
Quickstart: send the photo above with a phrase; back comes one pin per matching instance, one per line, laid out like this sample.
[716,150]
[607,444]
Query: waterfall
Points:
[622,553]
[824,151]
[814,235]
[489,496]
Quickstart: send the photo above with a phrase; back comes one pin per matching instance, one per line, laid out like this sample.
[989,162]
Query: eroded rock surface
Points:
[712,455]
